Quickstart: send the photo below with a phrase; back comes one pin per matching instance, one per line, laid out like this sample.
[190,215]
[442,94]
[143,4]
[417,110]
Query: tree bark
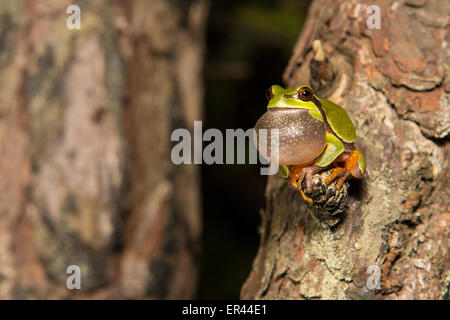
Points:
[86,176]
[395,84]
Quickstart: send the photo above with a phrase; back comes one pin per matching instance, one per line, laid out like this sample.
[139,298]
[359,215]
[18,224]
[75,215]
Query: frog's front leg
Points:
[299,172]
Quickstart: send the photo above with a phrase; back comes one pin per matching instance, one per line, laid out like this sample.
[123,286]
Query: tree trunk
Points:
[395,84]
[86,176]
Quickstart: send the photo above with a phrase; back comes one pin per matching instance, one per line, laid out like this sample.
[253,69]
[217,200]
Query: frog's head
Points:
[299,97]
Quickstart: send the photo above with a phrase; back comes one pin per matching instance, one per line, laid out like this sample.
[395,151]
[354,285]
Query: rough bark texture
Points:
[86,176]
[395,84]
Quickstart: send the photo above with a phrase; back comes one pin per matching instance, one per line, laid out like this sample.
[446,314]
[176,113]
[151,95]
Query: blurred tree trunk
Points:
[395,83]
[85,123]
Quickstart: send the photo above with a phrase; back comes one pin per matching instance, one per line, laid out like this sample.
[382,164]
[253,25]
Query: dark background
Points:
[249,45]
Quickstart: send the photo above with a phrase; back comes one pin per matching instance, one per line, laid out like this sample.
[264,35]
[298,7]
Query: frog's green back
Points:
[339,120]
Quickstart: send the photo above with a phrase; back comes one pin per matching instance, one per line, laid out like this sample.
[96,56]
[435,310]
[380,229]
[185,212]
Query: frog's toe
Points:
[335,173]
[305,197]
[342,179]
[309,186]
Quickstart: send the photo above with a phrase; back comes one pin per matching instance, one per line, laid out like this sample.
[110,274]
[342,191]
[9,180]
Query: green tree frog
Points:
[315,135]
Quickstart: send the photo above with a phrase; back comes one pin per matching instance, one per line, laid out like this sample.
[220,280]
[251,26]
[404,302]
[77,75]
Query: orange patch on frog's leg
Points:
[296,174]
[307,199]
[352,163]
[294,171]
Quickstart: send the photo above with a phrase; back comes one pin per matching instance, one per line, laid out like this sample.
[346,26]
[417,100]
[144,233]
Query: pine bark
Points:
[86,176]
[395,84]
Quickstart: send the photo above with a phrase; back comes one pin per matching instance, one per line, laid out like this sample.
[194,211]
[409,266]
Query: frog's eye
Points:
[269,94]
[305,94]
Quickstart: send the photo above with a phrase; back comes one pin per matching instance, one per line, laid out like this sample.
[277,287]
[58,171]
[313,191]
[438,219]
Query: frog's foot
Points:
[308,176]
[306,198]
[296,176]
[298,173]
[338,172]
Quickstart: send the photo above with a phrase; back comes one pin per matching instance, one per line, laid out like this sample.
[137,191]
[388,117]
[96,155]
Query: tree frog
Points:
[315,135]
